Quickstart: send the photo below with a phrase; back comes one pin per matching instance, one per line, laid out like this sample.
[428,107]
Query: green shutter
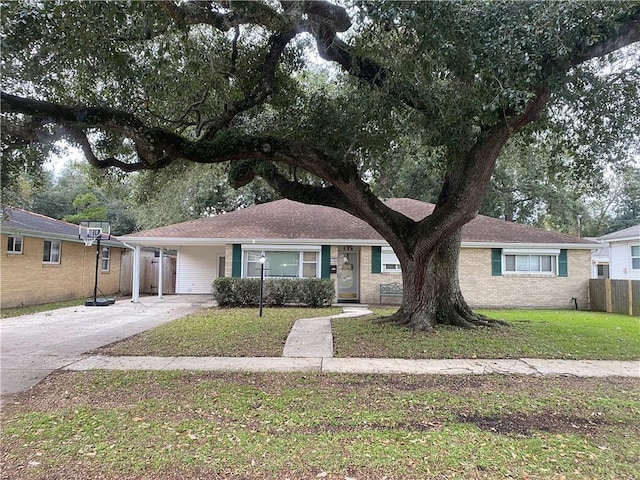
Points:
[496,262]
[376,259]
[563,264]
[325,261]
[236,261]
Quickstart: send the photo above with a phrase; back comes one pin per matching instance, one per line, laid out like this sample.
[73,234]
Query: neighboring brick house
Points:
[43,260]
[502,264]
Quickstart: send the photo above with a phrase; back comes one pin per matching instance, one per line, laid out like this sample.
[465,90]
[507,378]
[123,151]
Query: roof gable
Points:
[289,220]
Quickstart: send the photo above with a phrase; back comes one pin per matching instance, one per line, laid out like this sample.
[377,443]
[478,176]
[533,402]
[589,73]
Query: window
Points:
[390,262]
[106,253]
[14,245]
[542,264]
[51,251]
[635,257]
[282,264]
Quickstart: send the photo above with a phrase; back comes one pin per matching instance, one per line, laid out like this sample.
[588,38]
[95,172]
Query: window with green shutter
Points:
[236,261]
[325,261]
[376,259]
[496,262]
[563,267]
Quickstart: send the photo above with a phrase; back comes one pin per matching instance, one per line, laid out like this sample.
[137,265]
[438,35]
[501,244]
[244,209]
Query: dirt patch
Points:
[526,425]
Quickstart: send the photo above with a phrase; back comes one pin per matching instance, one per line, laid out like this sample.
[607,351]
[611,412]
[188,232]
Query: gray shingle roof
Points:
[285,219]
[22,222]
[631,232]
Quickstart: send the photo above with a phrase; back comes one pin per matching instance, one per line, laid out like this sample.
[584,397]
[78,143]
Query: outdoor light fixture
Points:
[262,260]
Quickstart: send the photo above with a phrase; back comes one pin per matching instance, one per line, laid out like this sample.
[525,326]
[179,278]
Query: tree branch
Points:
[625,34]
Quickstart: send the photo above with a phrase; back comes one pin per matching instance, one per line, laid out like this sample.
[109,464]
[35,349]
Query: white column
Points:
[135,288]
[160,272]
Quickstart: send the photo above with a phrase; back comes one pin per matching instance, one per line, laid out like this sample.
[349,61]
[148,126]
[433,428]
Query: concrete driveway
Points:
[33,346]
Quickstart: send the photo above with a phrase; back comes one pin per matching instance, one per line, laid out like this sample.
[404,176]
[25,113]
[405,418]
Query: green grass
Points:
[17,311]
[220,332]
[188,425]
[562,334]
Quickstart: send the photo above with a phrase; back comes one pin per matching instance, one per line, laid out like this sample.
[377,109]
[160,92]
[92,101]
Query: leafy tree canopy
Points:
[142,85]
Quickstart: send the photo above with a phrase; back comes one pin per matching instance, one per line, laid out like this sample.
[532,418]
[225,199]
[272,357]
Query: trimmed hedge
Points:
[242,292]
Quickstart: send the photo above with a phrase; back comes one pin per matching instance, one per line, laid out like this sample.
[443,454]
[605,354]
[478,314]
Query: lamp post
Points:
[262,260]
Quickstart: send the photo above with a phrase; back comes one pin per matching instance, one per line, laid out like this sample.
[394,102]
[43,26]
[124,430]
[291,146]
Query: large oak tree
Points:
[142,85]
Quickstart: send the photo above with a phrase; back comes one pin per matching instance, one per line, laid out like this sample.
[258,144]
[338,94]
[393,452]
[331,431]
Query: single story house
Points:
[43,260]
[502,264]
[619,259]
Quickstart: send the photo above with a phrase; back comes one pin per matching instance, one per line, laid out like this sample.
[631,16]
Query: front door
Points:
[348,275]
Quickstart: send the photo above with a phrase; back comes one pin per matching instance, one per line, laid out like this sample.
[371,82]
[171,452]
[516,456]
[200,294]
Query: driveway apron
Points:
[33,346]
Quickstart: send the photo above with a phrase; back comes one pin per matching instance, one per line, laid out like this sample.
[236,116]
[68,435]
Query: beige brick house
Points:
[502,264]
[43,260]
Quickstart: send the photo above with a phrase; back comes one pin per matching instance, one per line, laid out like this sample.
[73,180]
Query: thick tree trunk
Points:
[432,294]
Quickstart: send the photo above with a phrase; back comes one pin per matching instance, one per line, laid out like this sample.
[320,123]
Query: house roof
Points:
[22,222]
[631,233]
[289,220]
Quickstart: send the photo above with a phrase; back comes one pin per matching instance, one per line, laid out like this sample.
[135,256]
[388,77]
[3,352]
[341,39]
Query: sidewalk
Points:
[523,366]
[309,348]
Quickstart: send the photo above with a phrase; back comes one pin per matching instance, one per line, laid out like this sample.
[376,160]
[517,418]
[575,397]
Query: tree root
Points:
[456,316]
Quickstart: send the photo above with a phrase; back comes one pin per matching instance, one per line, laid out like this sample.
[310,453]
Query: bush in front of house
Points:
[280,291]
[241,292]
[316,292]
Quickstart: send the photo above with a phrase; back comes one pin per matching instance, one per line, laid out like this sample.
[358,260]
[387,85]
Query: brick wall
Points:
[25,280]
[481,289]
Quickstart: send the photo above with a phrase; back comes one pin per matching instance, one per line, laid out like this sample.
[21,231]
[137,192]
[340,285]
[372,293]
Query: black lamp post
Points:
[262,260]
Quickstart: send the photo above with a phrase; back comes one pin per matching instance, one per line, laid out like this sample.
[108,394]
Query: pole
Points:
[261,284]
[95,284]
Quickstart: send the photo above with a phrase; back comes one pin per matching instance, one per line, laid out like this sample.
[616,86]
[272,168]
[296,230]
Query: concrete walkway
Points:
[523,366]
[312,337]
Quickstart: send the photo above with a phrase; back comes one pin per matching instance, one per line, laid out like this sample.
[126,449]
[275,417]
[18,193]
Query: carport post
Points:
[135,288]
[160,273]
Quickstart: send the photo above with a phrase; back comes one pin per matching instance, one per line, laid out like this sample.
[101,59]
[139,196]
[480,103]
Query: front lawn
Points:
[217,332]
[563,334]
[195,425]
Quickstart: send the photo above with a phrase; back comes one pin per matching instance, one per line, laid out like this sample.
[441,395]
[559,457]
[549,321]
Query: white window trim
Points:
[50,262]
[108,259]
[299,249]
[634,256]
[14,251]
[555,253]
[388,257]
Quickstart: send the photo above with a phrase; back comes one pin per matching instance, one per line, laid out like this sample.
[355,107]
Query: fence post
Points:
[630,290]
[607,296]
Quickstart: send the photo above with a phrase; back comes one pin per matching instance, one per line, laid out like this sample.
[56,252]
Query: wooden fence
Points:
[615,296]
[148,275]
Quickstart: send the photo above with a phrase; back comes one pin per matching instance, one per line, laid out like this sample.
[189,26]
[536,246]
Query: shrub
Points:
[240,292]
[279,291]
[316,292]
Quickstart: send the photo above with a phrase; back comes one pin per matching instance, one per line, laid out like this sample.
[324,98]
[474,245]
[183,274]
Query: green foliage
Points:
[316,292]
[185,191]
[87,207]
[238,292]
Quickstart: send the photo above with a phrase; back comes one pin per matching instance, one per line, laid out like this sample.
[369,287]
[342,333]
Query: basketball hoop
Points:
[90,231]
[90,236]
